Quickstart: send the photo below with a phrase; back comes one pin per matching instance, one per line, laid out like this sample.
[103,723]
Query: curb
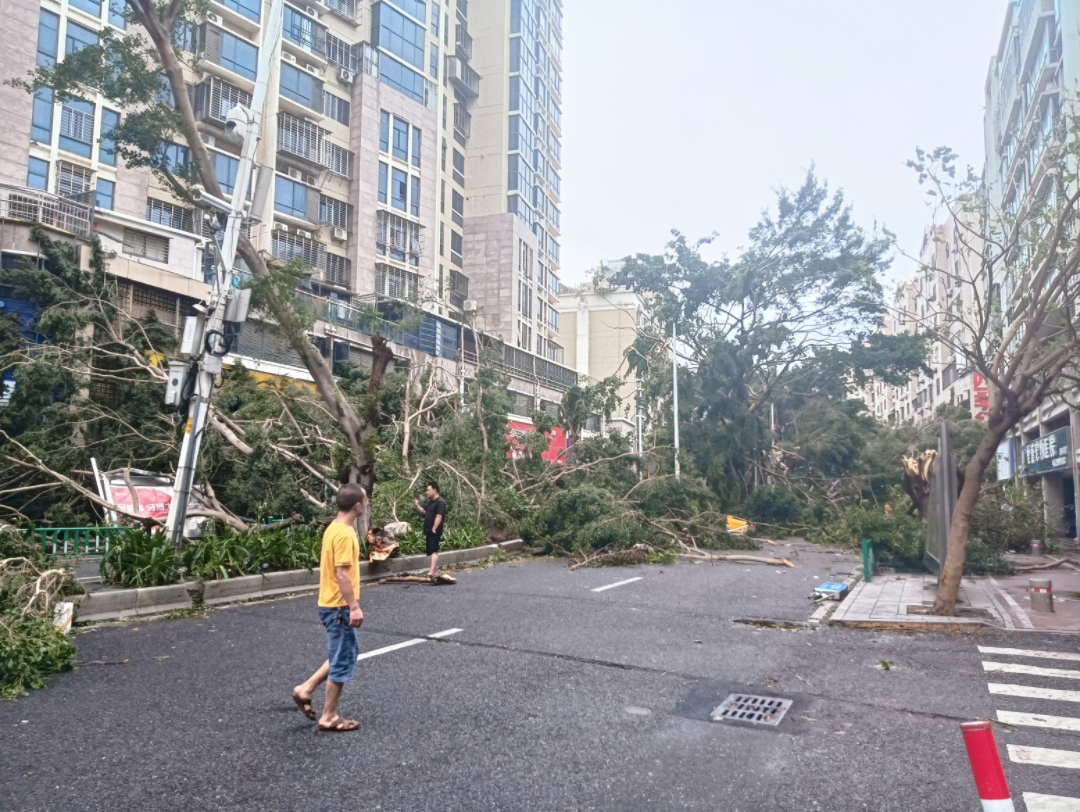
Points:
[123,603]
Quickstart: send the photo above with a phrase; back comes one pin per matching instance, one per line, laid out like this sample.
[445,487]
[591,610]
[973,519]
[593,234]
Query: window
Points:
[341,53]
[414,192]
[525,260]
[402,79]
[524,335]
[455,248]
[525,300]
[71,180]
[384,132]
[48,39]
[116,14]
[334,212]
[336,108]
[400,36]
[249,8]
[399,190]
[399,238]
[77,127]
[299,85]
[37,177]
[416,8]
[226,167]
[459,168]
[433,61]
[416,140]
[401,139]
[396,283]
[299,28]
[173,156]
[110,120]
[384,181]
[41,126]
[291,198]
[457,207]
[185,36]
[78,38]
[141,244]
[553,319]
[106,193]
[521,176]
[92,7]
[238,56]
[436,15]
[170,214]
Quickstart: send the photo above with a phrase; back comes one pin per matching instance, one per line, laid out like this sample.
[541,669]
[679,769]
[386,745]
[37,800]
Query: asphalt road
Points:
[551,697]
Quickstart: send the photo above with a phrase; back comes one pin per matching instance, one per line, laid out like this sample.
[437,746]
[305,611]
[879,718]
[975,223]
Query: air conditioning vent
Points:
[313,70]
[347,76]
[469,306]
[288,58]
[295,174]
[340,234]
[213,18]
[281,226]
[211,141]
[307,235]
[309,180]
[312,13]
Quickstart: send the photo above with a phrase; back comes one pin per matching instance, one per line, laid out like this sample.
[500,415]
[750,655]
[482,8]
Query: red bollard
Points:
[986,765]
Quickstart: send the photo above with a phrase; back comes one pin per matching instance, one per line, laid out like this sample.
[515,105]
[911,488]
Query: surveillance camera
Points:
[236,124]
[197,192]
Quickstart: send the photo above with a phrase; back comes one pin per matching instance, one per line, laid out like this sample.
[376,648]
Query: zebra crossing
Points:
[1045,665]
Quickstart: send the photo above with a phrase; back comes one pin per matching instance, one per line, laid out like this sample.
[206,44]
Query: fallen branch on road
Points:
[442,579]
[754,559]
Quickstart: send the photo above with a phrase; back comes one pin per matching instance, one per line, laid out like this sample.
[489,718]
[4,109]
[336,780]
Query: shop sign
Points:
[556,450]
[1047,454]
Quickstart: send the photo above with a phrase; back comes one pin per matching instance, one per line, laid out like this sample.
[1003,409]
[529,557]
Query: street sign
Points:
[1047,454]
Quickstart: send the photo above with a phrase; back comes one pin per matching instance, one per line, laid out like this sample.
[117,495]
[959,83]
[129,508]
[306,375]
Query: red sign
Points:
[556,448]
[981,397]
[153,502]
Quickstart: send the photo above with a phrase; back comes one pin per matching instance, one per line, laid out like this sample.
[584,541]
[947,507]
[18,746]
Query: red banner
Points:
[981,397]
[556,448]
[153,502]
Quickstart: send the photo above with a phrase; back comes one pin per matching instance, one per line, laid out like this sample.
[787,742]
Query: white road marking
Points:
[1033,670]
[1021,615]
[414,642]
[1050,803]
[1069,759]
[1033,693]
[1038,720]
[620,583]
[1024,652]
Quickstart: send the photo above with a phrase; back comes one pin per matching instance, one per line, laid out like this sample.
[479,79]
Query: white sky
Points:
[687,114]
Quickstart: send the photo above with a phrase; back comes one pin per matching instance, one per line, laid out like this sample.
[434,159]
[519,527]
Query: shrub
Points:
[899,539]
[464,538]
[140,558]
[31,649]
[215,557]
[772,504]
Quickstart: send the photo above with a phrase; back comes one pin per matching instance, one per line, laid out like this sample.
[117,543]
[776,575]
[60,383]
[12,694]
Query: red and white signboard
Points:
[981,397]
[556,448]
[153,502]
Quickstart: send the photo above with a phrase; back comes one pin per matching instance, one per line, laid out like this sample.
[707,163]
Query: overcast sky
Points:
[687,114]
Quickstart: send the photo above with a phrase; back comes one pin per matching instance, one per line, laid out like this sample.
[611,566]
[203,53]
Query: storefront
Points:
[1050,459]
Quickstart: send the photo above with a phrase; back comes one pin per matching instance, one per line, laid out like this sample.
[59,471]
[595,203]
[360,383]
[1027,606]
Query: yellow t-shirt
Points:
[340,548]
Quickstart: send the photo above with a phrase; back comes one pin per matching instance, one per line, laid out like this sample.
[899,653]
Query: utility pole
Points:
[640,424]
[675,391]
[205,339]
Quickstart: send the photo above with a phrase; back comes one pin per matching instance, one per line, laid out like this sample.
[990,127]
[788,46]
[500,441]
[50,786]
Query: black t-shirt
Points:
[436,507]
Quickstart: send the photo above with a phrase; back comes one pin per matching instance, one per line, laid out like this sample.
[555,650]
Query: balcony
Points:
[52,211]
[214,98]
[464,78]
[462,120]
[398,238]
[346,9]
[311,143]
[463,42]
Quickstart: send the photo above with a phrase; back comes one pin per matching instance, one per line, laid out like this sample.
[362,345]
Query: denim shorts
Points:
[343,642]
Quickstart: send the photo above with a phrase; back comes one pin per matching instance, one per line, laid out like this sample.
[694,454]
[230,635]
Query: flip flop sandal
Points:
[340,725]
[305,707]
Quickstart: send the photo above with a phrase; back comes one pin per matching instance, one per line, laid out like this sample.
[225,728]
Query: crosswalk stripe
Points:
[1050,803]
[1069,759]
[1033,693]
[1038,720]
[1034,670]
[1023,652]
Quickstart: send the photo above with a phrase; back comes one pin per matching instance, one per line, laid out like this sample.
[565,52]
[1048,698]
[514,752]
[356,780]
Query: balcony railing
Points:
[215,97]
[463,42]
[463,77]
[35,206]
[344,8]
[310,142]
[462,120]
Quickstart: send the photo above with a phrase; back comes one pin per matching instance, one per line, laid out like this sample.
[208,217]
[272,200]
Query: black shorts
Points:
[433,542]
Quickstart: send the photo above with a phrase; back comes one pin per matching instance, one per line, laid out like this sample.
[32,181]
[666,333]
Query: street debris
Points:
[441,579]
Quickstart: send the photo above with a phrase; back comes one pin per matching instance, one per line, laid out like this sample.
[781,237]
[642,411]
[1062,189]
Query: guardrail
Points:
[76,540]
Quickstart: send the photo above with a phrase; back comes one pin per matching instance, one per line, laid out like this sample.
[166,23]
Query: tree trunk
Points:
[953,569]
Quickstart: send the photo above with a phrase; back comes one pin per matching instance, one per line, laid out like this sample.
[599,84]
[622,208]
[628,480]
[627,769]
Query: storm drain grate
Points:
[759,710]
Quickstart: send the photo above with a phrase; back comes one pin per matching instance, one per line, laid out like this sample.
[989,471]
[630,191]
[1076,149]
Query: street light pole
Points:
[675,392]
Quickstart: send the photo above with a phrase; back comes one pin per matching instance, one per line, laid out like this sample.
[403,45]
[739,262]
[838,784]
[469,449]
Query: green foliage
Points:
[773,505]
[140,558]
[464,537]
[582,402]
[899,539]
[31,649]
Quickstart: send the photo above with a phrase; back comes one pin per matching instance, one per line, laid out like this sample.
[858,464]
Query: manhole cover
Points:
[759,710]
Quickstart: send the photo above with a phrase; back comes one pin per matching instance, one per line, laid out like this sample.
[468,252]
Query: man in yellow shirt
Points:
[339,610]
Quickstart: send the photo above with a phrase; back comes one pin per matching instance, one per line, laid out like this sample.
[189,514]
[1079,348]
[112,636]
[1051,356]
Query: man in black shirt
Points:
[434,514]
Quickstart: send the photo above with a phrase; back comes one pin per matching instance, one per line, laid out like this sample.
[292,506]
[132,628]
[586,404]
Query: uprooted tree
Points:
[1021,331]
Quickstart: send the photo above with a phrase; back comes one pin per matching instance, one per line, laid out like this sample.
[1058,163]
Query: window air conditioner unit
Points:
[313,70]
[281,226]
[347,76]
[309,180]
[340,234]
[213,18]
[289,58]
[305,234]
[312,13]
[469,306]
[295,174]
[211,141]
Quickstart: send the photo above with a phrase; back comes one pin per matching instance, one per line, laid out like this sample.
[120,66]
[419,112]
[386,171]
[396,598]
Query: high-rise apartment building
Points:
[372,114]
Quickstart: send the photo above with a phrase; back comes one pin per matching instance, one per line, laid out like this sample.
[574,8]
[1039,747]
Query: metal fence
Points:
[36,206]
[76,540]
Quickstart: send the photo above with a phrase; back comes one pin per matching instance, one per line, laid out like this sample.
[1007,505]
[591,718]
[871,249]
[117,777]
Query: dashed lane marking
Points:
[1045,757]
[1033,670]
[1050,803]
[1024,652]
[406,644]
[618,583]
[1033,693]
[1038,720]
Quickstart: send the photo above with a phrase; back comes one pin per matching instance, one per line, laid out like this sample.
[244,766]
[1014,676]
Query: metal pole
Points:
[675,393]
[212,346]
[640,425]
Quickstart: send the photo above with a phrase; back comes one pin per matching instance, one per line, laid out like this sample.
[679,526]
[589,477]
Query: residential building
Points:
[365,138]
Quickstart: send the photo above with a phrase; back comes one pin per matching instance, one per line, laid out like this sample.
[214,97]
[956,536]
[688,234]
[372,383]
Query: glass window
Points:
[41,127]
[291,198]
[401,139]
[225,167]
[77,127]
[110,120]
[48,39]
[415,197]
[249,8]
[433,62]
[89,6]
[416,8]
[400,36]
[116,13]
[416,140]
[299,28]
[436,16]
[106,193]
[174,156]
[399,190]
[337,108]
[299,85]
[238,56]
[37,177]
[78,38]
[384,132]
[384,181]
[401,78]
